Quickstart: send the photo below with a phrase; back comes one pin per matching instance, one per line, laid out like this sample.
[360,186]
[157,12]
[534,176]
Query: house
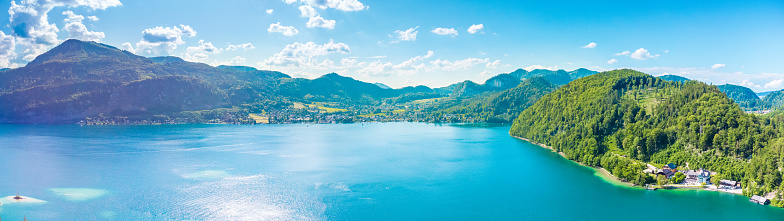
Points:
[759,199]
[698,176]
[671,166]
[729,184]
[666,172]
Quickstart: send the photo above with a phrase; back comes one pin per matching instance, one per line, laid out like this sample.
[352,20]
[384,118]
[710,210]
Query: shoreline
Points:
[600,172]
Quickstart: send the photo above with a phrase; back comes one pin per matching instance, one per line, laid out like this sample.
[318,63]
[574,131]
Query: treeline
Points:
[629,115]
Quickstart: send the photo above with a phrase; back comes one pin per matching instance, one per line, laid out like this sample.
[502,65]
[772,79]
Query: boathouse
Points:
[760,200]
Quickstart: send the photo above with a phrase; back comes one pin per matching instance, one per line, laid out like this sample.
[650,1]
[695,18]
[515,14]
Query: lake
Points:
[375,171]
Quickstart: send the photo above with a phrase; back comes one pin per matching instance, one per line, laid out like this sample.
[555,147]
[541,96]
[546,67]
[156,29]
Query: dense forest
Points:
[622,119]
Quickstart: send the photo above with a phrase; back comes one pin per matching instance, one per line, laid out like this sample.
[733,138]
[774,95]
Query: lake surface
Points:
[378,171]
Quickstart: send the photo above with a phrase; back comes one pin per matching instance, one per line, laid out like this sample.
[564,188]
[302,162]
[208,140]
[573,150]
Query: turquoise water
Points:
[391,171]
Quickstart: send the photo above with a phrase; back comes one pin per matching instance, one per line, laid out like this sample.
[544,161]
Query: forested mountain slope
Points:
[620,118]
[743,96]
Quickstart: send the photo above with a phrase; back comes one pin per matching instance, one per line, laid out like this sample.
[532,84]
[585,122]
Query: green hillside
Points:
[495,107]
[619,119]
[743,96]
[677,78]
[774,99]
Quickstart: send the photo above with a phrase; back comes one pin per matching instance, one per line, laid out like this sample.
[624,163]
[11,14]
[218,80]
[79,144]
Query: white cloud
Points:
[238,60]
[304,54]
[163,39]
[307,11]
[320,22]
[717,66]
[774,84]
[747,83]
[485,73]
[290,1]
[204,47]
[534,67]
[464,64]
[642,54]
[197,57]
[92,18]
[476,28]
[77,30]
[407,35]
[270,11]
[611,61]
[342,5]
[7,50]
[285,30]
[377,57]
[494,64]
[445,31]
[128,47]
[410,64]
[590,45]
[245,47]
[624,53]
[29,23]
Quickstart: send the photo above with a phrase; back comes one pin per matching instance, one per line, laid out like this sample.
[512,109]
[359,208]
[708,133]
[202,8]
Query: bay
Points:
[375,171]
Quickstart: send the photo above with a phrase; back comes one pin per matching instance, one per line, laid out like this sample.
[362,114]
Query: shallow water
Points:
[389,171]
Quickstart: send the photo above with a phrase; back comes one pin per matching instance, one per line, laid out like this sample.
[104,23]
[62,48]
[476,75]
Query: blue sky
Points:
[395,42]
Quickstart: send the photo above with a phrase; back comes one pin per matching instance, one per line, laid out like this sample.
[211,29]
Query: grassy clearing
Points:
[259,119]
[424,101]
[372,115]
[298,105]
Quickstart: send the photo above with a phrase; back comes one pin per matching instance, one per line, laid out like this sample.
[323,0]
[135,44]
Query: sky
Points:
[433,43]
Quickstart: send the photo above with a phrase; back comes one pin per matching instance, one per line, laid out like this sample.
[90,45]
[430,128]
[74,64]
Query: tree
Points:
[678,178]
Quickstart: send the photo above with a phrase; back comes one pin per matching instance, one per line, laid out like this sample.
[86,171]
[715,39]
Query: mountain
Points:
[622,119]
[743,96]
[79,79]
[774,99]
[496,83]
[498,107]
[382,86]
[763,94]
[559,77]
[580,73]
[677,78]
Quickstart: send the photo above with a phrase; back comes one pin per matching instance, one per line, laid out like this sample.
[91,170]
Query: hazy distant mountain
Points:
[559,77]
[670,77]
[382,86]
[497,83]
[761,95]
[743,96]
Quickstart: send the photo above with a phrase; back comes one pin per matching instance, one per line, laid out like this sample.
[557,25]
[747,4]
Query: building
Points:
[671,166]
[666,172]
[729,184]
[698,176]
[759,199]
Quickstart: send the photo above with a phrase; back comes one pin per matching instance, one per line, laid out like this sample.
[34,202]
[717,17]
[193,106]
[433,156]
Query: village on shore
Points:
[669,177]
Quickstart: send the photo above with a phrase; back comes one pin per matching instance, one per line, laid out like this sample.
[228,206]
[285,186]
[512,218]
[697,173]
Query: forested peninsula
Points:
[620,120]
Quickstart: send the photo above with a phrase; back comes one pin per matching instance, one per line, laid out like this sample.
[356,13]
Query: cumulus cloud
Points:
[342,5]
[285,30]
[203,47]
[163,39]
[270,11]
[747,83]
[590,45]
[92,18]
[717,66]
[410,64]
[624,53]
[7,50]
[30,25]
[128,47]
[611,61]
[407,35]
[642,54]
[77,30]
[494,64]
[305,54]
[464,64]
[639,54]
[318,21]
[534,67]
[476,28]
[244,47]
[307,11]
[445,31]
[774,83]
